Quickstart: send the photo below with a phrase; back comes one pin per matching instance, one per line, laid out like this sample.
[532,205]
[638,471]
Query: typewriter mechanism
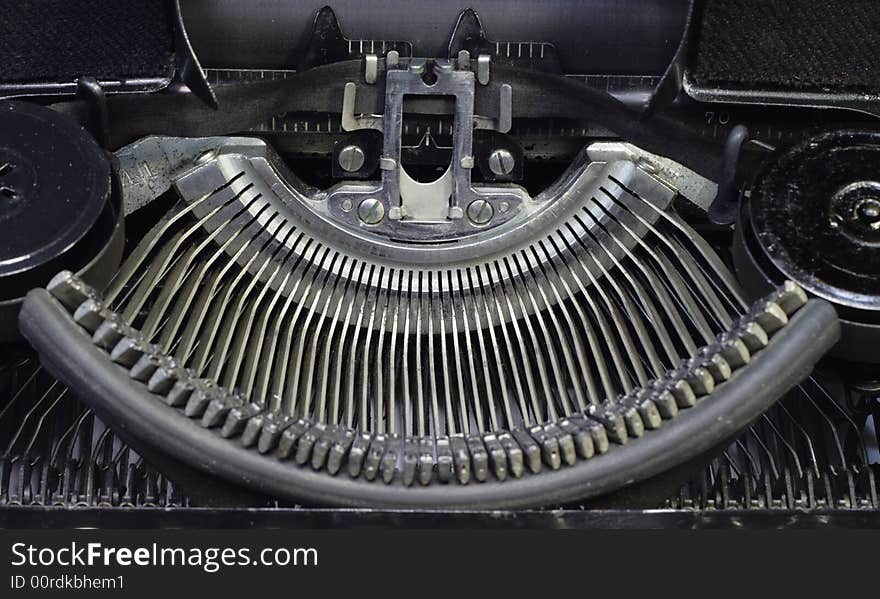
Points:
[489,256]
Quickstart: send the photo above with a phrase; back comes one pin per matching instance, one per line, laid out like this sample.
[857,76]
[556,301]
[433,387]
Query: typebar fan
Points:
[308,345]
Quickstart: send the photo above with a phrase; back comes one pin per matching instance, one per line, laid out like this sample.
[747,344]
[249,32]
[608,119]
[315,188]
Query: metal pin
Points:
[371,68]
[483,61]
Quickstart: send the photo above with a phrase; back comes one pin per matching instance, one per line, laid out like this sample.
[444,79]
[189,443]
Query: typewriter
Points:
[585,263]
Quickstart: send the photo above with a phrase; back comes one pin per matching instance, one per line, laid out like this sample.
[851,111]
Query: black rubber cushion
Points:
[68,353]
[60,40]
[786,44]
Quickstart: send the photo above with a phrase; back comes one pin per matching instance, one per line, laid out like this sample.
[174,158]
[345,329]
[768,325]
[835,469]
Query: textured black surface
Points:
[60,40]
[803,44]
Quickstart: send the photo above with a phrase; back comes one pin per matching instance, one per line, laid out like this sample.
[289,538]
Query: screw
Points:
[371,211]
[501,162]
[480,212]
[351,158]
[868,212]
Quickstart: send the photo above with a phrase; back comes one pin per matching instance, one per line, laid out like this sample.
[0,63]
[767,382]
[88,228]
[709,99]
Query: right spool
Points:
[813,216]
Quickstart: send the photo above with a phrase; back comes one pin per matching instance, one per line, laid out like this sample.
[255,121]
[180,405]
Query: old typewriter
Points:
[577,262]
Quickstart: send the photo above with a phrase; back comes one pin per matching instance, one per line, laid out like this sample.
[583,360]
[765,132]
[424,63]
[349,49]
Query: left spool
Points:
[59,206]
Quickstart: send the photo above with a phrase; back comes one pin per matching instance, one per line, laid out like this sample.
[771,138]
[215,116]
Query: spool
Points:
[813,216]
[58,206]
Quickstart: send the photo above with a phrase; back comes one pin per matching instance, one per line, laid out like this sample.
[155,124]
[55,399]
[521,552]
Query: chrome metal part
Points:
[501,162]
[148,166]
[371,68]
[249,355]
[480,212]
[866,103]
[249,163]
[352,122]
[371,211]
[351,158]
[503,336]
[428,210]
[483,61]
[692,186]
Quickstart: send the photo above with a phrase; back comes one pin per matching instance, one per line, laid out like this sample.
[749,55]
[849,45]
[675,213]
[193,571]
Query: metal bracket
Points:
[408,205]
[352,121]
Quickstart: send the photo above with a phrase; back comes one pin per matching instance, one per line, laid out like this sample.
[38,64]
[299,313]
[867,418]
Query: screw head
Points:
[371,211]
[854,211]
[868,212]
[501,162]
[351,158]
[480,212]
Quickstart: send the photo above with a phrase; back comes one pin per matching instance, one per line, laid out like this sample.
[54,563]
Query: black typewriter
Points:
[391,263]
